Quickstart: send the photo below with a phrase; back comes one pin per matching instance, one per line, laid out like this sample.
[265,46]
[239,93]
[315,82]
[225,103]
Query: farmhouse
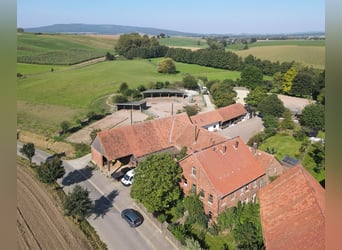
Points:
[292,210]
[221,118]
[223,175]
[130,144]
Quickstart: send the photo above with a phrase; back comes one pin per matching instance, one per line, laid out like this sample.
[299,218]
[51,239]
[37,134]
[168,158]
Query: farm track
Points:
[40,223]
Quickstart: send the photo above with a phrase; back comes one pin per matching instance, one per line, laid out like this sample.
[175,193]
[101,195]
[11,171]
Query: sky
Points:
[195,16]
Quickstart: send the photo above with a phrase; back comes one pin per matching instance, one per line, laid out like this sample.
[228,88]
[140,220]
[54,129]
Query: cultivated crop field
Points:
[308,55]
[61,49]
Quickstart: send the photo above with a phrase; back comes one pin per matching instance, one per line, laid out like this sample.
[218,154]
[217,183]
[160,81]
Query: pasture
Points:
[184,42]
[44,100]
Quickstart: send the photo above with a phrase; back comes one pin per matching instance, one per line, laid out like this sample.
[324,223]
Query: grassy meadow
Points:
[45,99]
[190,42]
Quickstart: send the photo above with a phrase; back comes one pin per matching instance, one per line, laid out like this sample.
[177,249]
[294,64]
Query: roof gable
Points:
[219,115]
[228,165]
[293,211]
[147,137]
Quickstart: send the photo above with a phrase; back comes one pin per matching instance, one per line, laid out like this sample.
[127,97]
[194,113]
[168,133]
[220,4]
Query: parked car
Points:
[127,179]
[133,217]
[119,174]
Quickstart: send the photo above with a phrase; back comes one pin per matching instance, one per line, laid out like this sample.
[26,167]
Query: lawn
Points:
[283,145]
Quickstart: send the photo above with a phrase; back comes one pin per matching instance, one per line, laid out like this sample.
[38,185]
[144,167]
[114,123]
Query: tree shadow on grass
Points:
[104,203]
[77,176]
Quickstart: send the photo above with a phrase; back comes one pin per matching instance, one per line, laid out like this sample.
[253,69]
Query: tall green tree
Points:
[255,96]
[50,171]
[312,117]
[190,82]
[302,85]
[156,182]
[251,76]
[28,150]
[271,105]
[78,204]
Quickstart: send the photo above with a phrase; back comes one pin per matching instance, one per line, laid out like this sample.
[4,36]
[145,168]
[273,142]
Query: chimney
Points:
[196,134]
[236,144]
[255,147]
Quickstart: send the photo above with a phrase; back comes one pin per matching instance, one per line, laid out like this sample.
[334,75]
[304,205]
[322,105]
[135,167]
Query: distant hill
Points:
[121,29]
[105,29]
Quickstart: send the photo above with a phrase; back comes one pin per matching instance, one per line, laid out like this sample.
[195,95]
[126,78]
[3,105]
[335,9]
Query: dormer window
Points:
[193,171]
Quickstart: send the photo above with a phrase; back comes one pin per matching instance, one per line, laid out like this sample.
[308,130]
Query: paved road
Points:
[209,105]
[110,198]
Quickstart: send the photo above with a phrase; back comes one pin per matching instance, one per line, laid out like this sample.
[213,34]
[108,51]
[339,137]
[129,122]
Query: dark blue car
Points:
[133,217]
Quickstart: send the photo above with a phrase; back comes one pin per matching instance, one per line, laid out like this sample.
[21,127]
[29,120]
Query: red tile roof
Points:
[230,168]
[292,211]
[232,111]
[144,138]
[219,115]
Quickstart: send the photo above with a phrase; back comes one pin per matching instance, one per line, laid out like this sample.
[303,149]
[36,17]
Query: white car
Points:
[128,178]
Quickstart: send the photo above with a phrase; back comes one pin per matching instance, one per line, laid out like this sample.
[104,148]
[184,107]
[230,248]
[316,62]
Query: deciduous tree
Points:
[78,204]
[312,116]
[50,171]
[156,182]
[271,105]
[28,150]
[167,65]
[288,79]
[251,76]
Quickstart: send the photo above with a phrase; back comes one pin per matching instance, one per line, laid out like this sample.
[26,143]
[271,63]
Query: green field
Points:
[191,42]
[46,99]
[61,49]
[27,69]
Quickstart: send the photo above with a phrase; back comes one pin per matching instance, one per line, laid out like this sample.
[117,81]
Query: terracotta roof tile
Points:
[227,167]
[151,136]
[219,115]
[232,111]
[292,211]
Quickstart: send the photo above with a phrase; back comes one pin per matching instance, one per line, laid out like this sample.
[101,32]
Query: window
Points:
[255,184]
[210,215]
[201,194]
[210,199]
[185,182]
[253,198]
[193,188]
[193,171]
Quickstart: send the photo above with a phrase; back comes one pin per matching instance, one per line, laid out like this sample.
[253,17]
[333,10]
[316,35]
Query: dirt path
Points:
[40,223]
